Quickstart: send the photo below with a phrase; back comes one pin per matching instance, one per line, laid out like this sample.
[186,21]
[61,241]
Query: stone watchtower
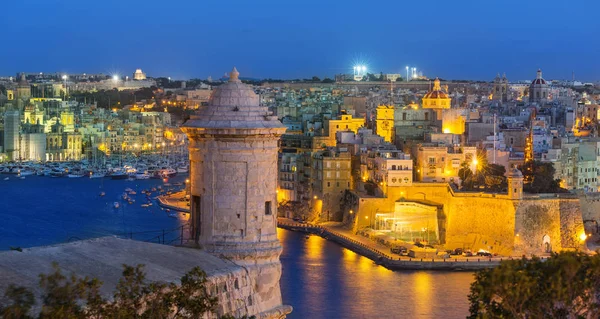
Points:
[515,183]
[233,182]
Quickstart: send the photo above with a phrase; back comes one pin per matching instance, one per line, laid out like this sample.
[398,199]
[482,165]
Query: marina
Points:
[317,276]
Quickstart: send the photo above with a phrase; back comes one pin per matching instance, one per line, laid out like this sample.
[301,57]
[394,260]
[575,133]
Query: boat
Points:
[6,178]
[183,169]
[25,173]
[97,175]
[145,205]
[128,190]
[76,175]
[119,175]
[166,172]
[102,194]
[116,204]
[173,215]
[142,176]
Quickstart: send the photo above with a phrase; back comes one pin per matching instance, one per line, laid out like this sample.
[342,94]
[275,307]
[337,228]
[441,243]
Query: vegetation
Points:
[489,177]
[74,297]
[567,285]
[538,177]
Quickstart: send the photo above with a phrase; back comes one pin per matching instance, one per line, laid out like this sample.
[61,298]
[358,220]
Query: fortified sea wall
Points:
[535,224]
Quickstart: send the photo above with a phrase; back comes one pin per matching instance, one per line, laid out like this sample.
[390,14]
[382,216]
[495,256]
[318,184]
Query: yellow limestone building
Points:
[384,122]
[453,120]
[509,224]
[233,177]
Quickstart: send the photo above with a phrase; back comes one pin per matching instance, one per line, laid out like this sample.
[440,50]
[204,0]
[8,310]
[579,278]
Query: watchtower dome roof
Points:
[233,105]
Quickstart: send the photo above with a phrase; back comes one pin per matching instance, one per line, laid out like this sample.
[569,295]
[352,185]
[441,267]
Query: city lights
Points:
[359,72]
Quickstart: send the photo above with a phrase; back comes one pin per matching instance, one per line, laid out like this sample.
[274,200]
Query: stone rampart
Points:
[536,224]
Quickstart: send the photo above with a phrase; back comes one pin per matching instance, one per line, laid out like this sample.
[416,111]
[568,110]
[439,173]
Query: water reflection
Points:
[323,280]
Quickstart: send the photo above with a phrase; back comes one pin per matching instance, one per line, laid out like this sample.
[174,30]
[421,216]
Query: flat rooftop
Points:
[103,258]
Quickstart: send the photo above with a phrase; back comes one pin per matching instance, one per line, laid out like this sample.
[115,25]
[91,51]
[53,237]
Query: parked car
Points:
[457,252]
[296,219]
[418,244]
[484,253]
[467,253]
[400,250]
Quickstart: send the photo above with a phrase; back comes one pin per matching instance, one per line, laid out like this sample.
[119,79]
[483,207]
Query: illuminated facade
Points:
[384,123]
[61,145]
[539,90]
[500,89]
[436,98]
[11,132]
[344,122]
[441,163]
[331,176]
[453,120]
[139,75]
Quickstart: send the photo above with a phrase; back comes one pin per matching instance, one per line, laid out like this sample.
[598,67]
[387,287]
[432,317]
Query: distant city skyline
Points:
[266,39]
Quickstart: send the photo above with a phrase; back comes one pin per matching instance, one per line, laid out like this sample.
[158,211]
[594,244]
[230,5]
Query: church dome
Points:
[233,105]
[437,92]
[538,80]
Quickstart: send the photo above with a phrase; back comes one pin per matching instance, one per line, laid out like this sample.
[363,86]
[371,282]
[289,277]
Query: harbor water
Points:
[320,279]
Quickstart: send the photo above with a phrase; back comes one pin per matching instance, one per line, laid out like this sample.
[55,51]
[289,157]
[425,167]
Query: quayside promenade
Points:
[380,253]
[364,246]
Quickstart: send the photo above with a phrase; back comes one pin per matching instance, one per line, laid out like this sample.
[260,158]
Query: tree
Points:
[327,80]
[74,297]
[539,178]
[566,285]
[316,79]
[399,79]
[488,176]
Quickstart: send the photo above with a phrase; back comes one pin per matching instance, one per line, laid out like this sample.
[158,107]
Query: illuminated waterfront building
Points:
[61,145]
[331,176]
[32,142]
[12,124]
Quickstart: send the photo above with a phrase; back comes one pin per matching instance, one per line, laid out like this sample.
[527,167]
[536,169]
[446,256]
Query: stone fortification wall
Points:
[480,223]
[239,293]
[590,211]
[547,225]
[494,222]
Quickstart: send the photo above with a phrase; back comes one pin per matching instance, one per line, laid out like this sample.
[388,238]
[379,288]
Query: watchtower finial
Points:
[234,75]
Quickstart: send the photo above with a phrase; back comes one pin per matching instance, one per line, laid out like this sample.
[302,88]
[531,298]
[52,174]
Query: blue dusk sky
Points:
[467,39]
